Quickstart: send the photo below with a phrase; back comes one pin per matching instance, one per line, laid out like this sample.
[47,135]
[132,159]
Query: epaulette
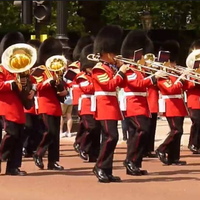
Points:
[99,65]
[74,64]
[82,76]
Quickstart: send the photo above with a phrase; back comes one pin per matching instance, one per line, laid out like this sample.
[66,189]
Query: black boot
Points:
[38,161]
[76,147]
[114,178]
[54,166]
[83,155]
[15,172]
[131,169]
[162,157]
[101,175]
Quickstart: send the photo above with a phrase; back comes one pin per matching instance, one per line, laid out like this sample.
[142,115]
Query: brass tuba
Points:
[19,59]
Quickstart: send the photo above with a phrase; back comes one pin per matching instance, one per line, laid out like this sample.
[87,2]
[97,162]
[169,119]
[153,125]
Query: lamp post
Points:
[62,25]
[146,20]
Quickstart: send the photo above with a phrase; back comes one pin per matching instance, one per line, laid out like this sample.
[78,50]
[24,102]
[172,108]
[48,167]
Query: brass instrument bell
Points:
[19,58]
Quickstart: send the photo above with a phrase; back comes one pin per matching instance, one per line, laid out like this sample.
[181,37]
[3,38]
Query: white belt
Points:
[102,93]
[75,86]
[122,103]
[175,96]
[91,97]
[143,94]
[36,103]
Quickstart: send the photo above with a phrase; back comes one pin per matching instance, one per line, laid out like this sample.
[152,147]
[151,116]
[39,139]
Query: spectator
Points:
[66,112]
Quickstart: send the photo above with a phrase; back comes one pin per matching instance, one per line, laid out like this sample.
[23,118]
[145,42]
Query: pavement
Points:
[78,182]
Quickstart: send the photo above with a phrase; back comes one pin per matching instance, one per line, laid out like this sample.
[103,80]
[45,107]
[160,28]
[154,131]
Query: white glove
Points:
[124,68]
[161,74]
[187,71]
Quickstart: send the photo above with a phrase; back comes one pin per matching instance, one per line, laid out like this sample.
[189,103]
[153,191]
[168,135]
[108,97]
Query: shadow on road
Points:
[160,179]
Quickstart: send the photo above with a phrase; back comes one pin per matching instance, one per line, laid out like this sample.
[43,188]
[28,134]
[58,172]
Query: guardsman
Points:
[76,92]
[49,92]
[193,103]
[11,104]
[135,104]
[33,134]
[175,110]
[106,78]
[90,142]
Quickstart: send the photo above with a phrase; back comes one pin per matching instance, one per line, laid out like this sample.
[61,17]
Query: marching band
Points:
[35,79]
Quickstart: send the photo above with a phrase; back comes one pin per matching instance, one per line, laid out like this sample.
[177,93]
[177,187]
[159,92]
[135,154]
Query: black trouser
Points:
[138,130]
[11,144]
[172,143]
[124,128]
[51,139]
[195,128]
[32,133]
[152,132]
[81,128]
[90,142]
[109,141]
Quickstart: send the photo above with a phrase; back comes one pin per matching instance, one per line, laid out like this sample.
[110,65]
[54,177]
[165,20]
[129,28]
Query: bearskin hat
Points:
[85,63]
[82,42]
[194,45]
[48,48]
[34,43]
[10,39]
[136,39]
[108,40]
[173,47]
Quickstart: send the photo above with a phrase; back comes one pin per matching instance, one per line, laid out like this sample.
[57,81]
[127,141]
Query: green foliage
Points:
[166,14]
[10,19]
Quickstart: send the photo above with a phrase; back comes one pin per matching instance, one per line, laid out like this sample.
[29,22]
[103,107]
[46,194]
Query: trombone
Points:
[96,58]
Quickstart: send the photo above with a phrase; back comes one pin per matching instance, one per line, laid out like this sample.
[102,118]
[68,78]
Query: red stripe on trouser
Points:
[105,147]
[2,144]
[171,137]
[138,140]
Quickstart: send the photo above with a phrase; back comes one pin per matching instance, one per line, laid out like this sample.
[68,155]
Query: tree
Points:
[10,19]
[166,14]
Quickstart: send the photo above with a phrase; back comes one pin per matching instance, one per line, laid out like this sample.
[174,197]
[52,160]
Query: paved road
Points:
[78,182]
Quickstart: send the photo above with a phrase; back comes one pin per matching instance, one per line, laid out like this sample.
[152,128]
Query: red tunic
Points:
[87,88]
[107,106]
[152,98]
[76,92]
[136,94]
[47,99]
[11,105]
[174,107]
[193,94]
